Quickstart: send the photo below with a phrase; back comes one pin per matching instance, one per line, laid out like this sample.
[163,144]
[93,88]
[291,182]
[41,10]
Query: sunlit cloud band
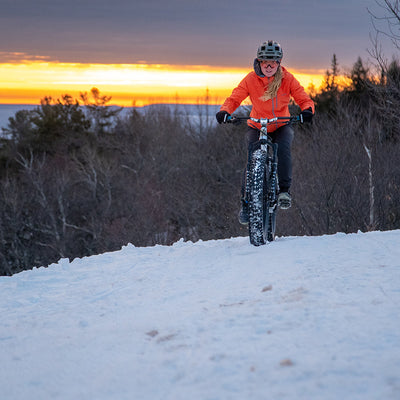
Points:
[128,84]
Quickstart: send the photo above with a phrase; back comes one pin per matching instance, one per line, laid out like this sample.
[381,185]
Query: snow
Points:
[300,318]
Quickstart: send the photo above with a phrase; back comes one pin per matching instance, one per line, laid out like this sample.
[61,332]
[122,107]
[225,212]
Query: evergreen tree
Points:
[329,93]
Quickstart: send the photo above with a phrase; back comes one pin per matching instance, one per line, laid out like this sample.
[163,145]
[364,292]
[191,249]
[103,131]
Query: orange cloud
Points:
[28,81]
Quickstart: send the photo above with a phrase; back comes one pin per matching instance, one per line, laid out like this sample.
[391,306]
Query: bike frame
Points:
[266,142]
[267,146]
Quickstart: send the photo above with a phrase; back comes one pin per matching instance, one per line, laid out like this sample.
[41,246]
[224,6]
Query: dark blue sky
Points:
[212,32]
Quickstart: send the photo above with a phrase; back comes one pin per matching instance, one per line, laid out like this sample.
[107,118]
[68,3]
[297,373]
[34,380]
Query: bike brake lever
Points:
[233,120]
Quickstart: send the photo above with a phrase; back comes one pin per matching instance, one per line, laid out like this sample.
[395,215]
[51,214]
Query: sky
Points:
[152,47]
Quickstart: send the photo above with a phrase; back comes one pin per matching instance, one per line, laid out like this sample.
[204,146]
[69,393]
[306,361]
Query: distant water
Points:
[9,110]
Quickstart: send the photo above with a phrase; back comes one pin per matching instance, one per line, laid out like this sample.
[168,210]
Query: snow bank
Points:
[300,318]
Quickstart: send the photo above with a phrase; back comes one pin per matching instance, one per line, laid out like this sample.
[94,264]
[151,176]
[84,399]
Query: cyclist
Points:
[270,87]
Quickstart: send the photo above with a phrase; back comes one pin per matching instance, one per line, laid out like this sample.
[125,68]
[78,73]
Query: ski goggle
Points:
[271,63]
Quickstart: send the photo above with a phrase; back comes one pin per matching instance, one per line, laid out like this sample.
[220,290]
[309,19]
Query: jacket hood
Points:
[257,68]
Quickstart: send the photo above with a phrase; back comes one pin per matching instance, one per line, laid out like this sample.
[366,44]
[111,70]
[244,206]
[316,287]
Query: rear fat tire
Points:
[271,225]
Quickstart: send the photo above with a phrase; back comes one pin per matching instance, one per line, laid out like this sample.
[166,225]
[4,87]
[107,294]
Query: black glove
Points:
[222,117]
[306,115]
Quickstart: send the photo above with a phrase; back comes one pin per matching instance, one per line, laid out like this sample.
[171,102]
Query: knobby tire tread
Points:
[260,221]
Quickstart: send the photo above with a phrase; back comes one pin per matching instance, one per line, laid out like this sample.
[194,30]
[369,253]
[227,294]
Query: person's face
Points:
[269,67]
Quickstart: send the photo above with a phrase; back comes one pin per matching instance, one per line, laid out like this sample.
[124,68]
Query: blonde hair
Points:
[273,87]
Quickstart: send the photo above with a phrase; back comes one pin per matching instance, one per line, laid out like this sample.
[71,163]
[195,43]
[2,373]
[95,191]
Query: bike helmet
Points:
[270,50]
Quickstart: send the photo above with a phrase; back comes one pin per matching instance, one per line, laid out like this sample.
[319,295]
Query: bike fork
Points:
[273,178]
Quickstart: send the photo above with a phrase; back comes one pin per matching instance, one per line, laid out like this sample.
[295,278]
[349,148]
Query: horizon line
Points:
[128,84]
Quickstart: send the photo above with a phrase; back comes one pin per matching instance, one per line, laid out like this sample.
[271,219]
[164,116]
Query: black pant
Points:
[284,137]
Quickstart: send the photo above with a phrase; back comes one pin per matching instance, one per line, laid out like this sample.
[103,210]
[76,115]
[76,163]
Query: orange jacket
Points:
[254,86]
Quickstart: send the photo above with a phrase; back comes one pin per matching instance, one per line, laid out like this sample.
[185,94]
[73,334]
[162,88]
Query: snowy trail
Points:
[301,318]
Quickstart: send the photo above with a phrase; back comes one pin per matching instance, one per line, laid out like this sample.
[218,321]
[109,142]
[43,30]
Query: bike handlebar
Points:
[265,121]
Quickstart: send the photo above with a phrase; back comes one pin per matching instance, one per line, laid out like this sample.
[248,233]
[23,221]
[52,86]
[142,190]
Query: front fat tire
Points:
[259,219]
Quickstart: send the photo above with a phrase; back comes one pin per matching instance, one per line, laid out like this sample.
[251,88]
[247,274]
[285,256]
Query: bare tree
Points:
[386,25]
[391,20]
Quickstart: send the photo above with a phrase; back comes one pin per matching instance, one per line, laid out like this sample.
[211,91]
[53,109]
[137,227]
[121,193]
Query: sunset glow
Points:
[128,84]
